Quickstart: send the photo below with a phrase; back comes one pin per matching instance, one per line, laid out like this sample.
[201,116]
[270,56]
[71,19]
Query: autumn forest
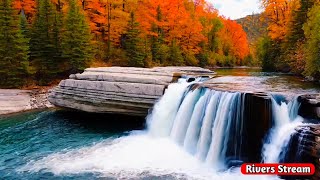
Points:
[45,40]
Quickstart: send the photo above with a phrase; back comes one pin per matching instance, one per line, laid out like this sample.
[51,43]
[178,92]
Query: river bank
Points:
[16,100]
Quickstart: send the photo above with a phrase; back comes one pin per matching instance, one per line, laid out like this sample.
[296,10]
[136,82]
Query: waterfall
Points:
[194,129]
[183,116]
[200,121]
[285,120]
[205,133]
[211,125]
[221,128]
[192,132]
[160,121]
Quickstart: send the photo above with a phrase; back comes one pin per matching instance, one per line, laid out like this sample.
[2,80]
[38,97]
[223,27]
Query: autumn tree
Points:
[285,24]
[169,24]
[13,47]
[299,17]
[234,40]
[28,7]
[295,38]
[278,15]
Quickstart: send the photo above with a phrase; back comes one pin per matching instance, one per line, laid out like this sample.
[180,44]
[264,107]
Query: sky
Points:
[235,9]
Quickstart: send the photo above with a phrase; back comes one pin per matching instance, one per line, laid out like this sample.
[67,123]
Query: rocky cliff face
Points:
[121,90]
[304,147]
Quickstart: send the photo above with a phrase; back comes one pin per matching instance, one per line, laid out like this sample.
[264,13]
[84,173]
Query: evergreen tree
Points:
[157,41]
[155,45]
[176,57]
[24,25]
[213,40]
[312,29]
[268,53]
[13,47]
[133,44]
[77,39]
[299,17]
[296,37]
[45,43]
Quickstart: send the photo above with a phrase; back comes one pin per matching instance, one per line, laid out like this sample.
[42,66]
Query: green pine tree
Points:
[77,47]
[213,40]
[45,43]
[25,28]
[14,47]
[133,44]
[312,49]
[296,37]
[176,58]
[300,16]
[157,41]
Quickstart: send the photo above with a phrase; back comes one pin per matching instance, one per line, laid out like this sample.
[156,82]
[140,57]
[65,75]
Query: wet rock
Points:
[258,121]
[120,90]
[304,147]
[310,106]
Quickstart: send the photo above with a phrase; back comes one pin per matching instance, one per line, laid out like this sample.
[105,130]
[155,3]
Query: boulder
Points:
[310,106]
[120,90]
[304,147]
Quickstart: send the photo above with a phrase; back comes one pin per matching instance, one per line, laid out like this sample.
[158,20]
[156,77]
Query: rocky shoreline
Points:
[16,100]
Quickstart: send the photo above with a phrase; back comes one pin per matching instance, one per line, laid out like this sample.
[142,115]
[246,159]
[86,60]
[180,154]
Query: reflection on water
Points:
[253,80]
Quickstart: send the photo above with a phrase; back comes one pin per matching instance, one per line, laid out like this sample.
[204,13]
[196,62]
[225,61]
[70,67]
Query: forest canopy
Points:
[292,42]
[43,40]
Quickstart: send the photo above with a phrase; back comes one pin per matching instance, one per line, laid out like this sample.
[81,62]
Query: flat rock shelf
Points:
[120,90]
[16,100]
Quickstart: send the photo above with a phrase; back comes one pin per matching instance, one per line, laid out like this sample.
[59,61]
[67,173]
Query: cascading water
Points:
[202,123]
[208,125]
[285,120]
[206,122]
[161,119]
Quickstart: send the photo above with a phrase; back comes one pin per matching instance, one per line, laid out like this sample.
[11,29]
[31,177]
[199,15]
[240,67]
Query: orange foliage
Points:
[186,22]
[278,15]
[105,14]
[234,39]
[96,12]
[176,23]
[28,6]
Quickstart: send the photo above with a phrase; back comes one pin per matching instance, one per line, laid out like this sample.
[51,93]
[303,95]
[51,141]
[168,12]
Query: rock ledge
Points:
[121,90]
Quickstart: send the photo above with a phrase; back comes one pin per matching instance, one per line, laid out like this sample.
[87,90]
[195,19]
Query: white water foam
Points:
[160,121]
[131,157]
[286,119]
[152,153]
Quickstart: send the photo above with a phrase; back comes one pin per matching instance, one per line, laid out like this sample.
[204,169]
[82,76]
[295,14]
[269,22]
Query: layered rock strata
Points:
[120,90]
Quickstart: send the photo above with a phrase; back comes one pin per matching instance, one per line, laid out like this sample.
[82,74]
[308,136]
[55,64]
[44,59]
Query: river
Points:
[71,145]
